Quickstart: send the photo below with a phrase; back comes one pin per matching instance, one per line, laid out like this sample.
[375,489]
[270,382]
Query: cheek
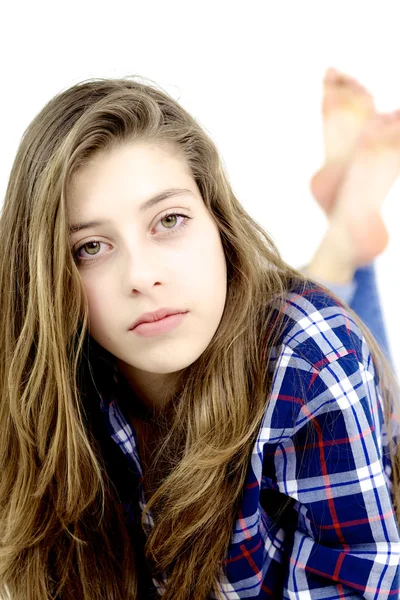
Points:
[98,303]
[207,267]
[206,245]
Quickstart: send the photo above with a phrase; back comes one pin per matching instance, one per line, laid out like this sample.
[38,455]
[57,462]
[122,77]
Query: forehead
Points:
[127,175]
[139,167]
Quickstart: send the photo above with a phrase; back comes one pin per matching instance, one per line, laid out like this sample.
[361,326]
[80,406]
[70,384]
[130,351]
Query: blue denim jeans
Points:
[362,295]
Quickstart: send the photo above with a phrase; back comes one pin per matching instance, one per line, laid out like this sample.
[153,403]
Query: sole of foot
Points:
[374,168]
[347,106]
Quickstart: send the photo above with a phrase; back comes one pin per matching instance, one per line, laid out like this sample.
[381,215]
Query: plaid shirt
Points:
[323,447]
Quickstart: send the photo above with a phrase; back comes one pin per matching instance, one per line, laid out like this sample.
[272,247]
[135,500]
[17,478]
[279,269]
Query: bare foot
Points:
[346,108]
[374,168]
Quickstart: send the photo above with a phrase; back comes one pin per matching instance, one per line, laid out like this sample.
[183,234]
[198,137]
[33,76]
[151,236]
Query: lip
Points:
[160,327]
[157,315]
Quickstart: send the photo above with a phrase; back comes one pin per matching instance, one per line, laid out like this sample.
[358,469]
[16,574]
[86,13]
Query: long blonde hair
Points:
[61,532]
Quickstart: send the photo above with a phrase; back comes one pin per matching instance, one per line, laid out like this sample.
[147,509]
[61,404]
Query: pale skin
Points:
[136,265]
[362,161]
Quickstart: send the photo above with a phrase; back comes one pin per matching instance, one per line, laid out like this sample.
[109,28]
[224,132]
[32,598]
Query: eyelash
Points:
[81,260]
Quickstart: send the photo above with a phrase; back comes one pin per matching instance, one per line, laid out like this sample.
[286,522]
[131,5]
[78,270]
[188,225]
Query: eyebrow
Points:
[142,208]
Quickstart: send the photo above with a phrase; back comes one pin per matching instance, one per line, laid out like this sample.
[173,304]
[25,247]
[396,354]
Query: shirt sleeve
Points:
[346,543]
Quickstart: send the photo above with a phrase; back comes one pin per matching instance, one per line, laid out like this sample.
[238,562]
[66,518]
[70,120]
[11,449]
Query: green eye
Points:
[92,247]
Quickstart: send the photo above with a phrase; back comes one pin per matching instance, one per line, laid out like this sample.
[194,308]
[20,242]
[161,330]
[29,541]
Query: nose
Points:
[141,268]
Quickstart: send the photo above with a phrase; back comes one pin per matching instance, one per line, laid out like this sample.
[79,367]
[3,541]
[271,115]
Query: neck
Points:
[153,391]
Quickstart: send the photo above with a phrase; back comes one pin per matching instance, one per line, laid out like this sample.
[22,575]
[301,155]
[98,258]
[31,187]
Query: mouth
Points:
[160,326]
[155,316]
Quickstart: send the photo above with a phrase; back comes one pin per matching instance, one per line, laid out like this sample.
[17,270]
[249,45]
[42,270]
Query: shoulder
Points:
[320,364]
[318,327]
[325,401]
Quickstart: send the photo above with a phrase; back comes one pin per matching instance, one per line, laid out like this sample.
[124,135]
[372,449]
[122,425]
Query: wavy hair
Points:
[62,534]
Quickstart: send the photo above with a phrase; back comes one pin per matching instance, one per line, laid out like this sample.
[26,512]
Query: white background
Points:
[250,72]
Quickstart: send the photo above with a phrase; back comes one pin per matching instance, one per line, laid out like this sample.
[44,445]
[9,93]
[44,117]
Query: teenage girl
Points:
[183,414]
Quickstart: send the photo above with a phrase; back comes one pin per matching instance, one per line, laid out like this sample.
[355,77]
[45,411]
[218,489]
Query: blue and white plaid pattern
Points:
[322,443]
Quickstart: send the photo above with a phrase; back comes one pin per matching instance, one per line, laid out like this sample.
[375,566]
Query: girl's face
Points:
[134,258]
